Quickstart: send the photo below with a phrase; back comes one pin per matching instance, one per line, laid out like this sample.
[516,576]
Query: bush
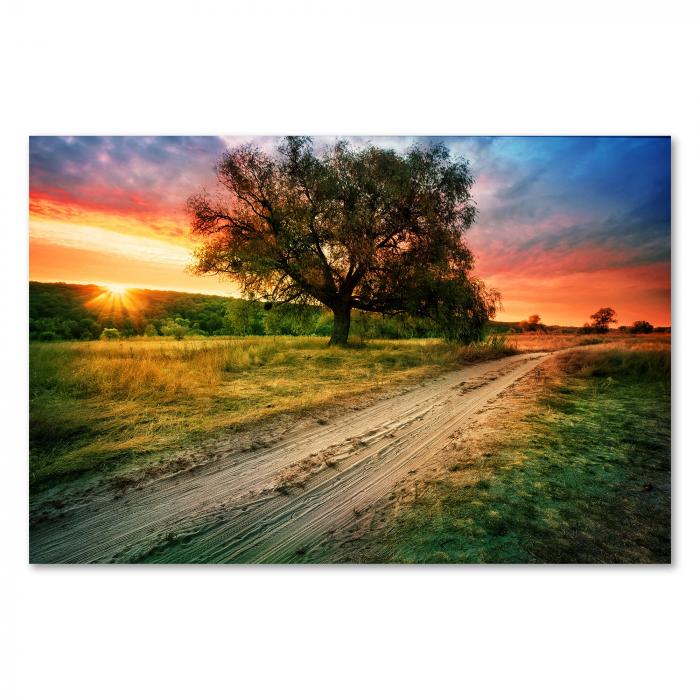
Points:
[48,335]
[178,328]
[109,334]
[532,324]
[492,347]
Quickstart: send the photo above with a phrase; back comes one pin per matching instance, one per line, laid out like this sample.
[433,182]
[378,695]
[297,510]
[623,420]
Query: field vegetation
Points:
[577,470]
[102,405]
[549,342]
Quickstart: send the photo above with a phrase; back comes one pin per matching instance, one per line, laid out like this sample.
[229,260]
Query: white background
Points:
[599,67]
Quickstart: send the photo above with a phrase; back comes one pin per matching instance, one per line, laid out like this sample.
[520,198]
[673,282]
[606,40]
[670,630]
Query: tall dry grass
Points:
[99,405]
[549,342]
[644,361]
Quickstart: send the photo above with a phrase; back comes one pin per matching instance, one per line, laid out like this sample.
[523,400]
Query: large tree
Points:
[350,228]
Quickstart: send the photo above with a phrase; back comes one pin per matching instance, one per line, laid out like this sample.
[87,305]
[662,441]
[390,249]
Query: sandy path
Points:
[284,501]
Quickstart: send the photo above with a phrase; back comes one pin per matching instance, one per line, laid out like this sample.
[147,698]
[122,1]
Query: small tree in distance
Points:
[349,228]
[602,320]
[642,327]
[532,323]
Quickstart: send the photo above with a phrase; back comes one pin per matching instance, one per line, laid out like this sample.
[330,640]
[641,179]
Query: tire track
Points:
[240,508]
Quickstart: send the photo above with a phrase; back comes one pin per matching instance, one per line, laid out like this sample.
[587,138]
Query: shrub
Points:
[178,328]
[532,324]
[109,334]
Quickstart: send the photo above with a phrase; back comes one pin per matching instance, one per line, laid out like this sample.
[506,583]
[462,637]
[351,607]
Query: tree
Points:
[348,228]
[642,327]
[245,317]
[292,319]
[532,323]
[176,327]
[602,319]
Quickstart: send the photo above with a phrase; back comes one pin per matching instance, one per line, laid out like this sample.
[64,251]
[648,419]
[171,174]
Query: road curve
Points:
[282,502]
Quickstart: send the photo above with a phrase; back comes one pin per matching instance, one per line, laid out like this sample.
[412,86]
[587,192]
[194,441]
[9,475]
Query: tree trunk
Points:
[341,325]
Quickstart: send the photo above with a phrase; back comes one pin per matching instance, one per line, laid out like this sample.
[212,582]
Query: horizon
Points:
[566,224]
[127,289]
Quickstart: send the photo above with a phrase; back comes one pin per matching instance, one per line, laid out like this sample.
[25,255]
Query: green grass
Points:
[583,475]
[103,406]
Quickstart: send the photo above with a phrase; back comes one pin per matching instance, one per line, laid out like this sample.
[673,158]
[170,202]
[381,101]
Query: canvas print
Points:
[349,349]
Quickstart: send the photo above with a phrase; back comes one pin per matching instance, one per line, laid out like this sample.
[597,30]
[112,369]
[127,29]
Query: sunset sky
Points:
[566,224]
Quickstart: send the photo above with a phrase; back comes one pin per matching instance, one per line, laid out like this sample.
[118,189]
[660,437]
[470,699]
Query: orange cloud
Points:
[162,223]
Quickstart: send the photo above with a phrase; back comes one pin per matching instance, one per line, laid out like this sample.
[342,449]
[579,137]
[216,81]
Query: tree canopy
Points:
[364,228]
[603,318]
[532,323]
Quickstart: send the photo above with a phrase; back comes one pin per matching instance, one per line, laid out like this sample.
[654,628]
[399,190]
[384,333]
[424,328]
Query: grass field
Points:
[548,342]
[104,405]
[578,470]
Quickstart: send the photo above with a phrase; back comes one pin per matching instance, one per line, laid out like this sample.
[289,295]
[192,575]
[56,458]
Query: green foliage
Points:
[110,334]
[291,319]
[178,327]
[47,336]
[245,317]
[64,312]
[348,228]
[95,407]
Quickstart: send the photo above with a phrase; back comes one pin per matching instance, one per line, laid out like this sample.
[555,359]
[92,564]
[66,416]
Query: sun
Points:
[115,302]
[117,290]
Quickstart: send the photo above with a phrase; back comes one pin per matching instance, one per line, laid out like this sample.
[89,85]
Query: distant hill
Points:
[73,311]
[60,311]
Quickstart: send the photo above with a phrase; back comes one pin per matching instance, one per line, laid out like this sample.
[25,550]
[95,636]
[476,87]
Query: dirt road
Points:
[286,501]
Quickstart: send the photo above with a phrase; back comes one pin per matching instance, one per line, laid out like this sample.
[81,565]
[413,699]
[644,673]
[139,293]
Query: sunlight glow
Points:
[116,303]
[116,289]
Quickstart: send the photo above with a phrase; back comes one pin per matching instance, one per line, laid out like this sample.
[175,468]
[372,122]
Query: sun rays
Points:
[117,290]
[116,302]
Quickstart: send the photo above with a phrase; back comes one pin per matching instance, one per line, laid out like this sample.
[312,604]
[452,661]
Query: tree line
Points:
[59,311]
[601,320]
